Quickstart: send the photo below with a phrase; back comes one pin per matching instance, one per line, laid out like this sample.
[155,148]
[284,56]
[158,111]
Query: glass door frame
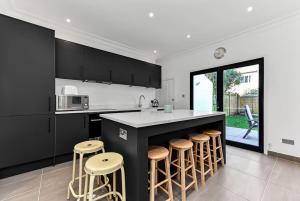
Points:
[220,95]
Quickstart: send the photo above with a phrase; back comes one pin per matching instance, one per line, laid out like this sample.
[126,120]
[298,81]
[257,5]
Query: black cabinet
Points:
[97,65]
[26,139]
[122,70]
[155,76]
[141,74]
[27,60]
[69,60]
[78,62]
[70,130]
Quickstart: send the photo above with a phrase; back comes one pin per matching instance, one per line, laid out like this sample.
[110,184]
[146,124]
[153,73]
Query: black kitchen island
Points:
[130,134]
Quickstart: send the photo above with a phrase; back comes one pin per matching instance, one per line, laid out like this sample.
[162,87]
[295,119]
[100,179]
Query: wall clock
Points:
[220,53]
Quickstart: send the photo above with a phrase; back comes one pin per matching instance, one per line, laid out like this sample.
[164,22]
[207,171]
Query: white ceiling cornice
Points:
[70,33]
[259,28]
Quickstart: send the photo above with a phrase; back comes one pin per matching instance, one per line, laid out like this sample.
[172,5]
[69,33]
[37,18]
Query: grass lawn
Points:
[237,121]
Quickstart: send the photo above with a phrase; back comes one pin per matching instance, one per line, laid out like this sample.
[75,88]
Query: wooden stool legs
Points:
[182,146]
[152,180]
[169,183]
[202,154]
[209,159]
[221,150]
[216,147]
[214,150]
[156,154]
[201,161]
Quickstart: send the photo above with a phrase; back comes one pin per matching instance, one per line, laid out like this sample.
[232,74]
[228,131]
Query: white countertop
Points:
[105,110]
[146,118]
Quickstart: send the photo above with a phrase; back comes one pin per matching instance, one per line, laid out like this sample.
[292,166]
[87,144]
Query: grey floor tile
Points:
[251,167]
[55,184]
[57,179]
[286,174]
[54,193]
[215,192]
[57,167]
[20,177]
[28,196]
[242,184]
[278,193]
[251,155]
[19,188]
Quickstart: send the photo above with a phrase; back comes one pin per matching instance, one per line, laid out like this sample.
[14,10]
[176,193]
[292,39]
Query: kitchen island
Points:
[130,134]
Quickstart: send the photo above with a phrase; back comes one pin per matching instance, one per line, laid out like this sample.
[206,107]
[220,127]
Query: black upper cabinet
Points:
[26,138]
[122,70]
[74,61]
[69,60]
[97,65]
[27,68]
[70,130]
[155,76]
[141,74]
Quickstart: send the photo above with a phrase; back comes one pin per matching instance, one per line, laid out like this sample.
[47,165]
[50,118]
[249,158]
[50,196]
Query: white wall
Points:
[279,45]
[103,95]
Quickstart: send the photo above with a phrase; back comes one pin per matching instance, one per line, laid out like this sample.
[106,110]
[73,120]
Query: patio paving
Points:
[236,135]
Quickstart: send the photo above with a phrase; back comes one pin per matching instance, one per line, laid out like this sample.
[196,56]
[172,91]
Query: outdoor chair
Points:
[251,122]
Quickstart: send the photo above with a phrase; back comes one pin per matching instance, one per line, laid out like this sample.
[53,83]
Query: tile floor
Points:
[246,176]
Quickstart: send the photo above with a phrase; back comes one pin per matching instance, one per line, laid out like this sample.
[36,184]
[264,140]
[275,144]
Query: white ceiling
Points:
[127,21]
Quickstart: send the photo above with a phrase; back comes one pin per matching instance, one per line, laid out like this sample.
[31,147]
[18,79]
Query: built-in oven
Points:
[72,102]
[95,123]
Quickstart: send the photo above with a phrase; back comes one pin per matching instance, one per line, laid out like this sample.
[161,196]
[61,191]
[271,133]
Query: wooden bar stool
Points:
[155,155]
[215,135]
[102,165]
[182,146]
[83,148]
[201,155]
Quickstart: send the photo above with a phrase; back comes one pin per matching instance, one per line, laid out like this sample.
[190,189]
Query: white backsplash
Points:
[103,95]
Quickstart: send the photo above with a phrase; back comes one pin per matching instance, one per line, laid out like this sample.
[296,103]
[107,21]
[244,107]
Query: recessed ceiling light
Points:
[250,9]
[155,51]
[68,20]
[188,36]
[151,14]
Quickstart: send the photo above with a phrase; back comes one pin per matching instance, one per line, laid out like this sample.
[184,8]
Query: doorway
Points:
[237,90]
[166,94]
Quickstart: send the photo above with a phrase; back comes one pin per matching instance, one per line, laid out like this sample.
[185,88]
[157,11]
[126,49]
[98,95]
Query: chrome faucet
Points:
[140,100]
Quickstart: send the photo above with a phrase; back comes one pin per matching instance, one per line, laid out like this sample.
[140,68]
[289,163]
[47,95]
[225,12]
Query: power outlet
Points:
[123,134]
[288,141]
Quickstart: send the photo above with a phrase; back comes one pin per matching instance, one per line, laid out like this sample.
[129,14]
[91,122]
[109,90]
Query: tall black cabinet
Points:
[27,88]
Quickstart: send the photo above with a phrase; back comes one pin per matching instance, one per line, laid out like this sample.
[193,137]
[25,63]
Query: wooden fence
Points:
[234,104]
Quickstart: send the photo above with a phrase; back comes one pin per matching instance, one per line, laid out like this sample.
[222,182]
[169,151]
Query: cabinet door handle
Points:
[49,103]
[110,75]
[84,122]
[82,72]
[49,124]
[132,79]
[94,120]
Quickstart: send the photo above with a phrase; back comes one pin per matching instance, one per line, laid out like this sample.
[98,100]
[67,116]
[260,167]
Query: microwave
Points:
[72,102]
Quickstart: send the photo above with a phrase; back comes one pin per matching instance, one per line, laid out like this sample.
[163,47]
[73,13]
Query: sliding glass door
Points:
[237,90]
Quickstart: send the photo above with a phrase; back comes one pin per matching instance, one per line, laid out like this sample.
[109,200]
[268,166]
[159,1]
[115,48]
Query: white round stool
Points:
[87,147]
[102,165]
